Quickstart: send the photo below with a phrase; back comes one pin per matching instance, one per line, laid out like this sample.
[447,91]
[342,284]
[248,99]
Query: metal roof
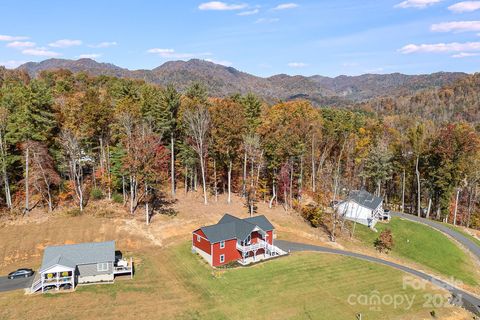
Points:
[365,199]
[72,255]
[230,227]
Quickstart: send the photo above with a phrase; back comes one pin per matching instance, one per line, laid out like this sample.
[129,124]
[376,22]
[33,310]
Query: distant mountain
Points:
[223,81]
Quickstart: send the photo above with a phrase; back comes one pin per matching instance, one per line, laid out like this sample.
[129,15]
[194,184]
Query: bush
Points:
[73,212]
[313,214]
[96,194]
[117,198]
[384,242]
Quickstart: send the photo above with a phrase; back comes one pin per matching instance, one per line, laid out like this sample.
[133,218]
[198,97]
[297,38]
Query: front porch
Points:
[55,278]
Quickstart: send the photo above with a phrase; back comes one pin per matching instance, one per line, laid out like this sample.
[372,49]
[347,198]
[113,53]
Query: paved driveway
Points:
[15,284]
[466,300]
[469,244]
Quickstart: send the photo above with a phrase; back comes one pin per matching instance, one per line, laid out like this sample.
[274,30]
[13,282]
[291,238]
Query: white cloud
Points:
[267,20]
[89,55]
[11,64]
[172,54]
[248,13]
[64,43]
[465,6]
[285,6]
[221,6]
[40,52]
[441,47]
[21,44]
[11,38]
[465,55]
[221,62]
[456,26]
[105,44]
[297,65]
[416,3]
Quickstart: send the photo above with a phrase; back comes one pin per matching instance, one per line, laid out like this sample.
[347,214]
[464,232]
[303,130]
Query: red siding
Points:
[230,251]
[203,244]
[270,236]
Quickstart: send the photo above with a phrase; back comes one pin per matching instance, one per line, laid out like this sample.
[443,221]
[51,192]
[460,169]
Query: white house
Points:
[362,207]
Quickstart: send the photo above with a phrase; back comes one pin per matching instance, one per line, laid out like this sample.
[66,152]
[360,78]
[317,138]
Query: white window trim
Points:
[222,258]
[222,244]
[199,238]
[102,266]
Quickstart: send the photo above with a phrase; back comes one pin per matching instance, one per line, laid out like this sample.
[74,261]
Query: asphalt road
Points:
[15,284]
[463,298]
[469,244]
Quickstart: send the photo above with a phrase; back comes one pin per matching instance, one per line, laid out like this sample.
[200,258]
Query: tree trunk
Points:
[27,191]
[244,182]
[215,179]
[291,187]
[109,175]
[204,182]
[172,165]
[419,194]
[403,191]
[123,190]
[300,179]
[471,205]
[314,187]
[429,207]
[147,214]
[186,180]
[229,177]
[8,197]
[337,172]
[274,193]
[456,207]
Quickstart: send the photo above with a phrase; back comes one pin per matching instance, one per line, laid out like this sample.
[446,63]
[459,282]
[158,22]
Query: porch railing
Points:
[252,247]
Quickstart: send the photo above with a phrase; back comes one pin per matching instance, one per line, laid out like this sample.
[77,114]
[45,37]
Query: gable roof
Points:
[365,199]
[75,254]
[230,227]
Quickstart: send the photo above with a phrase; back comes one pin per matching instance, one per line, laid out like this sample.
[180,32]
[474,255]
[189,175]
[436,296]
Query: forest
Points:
[68,139]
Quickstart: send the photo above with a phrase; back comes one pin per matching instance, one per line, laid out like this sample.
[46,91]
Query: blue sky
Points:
[261,37]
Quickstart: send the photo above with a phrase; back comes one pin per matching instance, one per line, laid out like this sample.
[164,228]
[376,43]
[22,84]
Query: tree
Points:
[31,119]
[384,242]
[378,166]
[198,124]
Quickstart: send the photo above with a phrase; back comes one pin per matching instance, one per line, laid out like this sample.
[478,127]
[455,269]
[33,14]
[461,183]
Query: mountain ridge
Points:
[223,81]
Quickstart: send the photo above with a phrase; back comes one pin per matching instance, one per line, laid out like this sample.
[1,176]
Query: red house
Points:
[234,239]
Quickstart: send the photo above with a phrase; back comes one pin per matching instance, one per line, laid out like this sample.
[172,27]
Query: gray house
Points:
[363,207]
[69,265]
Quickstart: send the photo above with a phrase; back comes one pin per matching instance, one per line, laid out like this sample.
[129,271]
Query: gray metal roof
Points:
[72,255]
[230,227]
[365,199]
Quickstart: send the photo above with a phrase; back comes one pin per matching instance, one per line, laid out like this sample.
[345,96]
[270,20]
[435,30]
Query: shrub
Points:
[313,214]
[384,242]
[96,194]
[73,212]
[117,198]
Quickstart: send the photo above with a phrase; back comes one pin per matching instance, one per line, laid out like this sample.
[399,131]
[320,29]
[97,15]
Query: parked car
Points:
[20,273]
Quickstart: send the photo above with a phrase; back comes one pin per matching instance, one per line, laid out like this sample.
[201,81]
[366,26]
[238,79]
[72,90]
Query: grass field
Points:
[176,284]
[426,246]
[462,231]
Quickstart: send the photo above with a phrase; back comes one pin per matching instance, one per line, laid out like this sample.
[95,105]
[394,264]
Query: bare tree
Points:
[73,152]
[3,156]
[198,123]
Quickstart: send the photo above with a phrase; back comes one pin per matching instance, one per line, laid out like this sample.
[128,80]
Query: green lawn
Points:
[425,246]
[176,284]
[460,230]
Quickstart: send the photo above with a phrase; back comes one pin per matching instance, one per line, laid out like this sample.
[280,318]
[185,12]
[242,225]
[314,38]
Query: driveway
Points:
[15,284]
[469,244]
[466,300]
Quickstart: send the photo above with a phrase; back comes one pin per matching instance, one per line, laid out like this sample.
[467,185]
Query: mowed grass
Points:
[425,246]
[176,284]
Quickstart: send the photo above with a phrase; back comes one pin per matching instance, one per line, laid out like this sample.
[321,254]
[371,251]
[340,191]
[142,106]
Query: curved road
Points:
[465,241]
[465,299]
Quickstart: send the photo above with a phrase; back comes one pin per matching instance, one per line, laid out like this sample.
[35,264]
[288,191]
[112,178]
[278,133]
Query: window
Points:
[103,266]
[222,244]
[222,258]
[198,238]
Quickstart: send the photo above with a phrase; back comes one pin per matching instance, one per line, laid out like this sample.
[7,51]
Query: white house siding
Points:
[205,255]
[354,212]
[88,273]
